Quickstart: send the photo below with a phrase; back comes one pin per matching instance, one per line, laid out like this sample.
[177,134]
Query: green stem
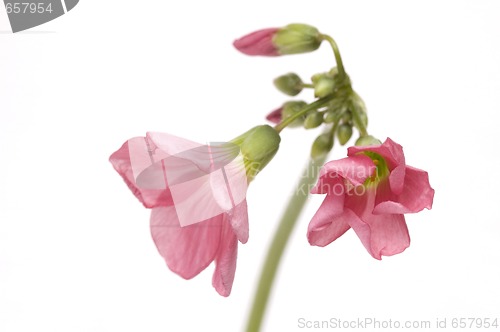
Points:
[308,85]
[312,106]
[360,125]
[356,110]
[334,128]
[336,52]
[285,228]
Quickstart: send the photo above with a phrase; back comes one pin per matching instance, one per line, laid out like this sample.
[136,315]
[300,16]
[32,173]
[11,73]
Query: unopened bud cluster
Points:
[342,110]
[338,109]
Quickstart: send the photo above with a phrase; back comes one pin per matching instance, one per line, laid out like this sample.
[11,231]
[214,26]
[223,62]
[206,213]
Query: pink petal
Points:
[204,181]
[275,116]
[393,154]
[186,250]
[170,144]
[417,194]
[133,157]
[169,171]
[194,201]
[390,150]
[225,261]
[207,196]
[229,184]
[385,234]
[239,221]
[200,160]
[397,179]
[329,222]
[356,169]
[258,43]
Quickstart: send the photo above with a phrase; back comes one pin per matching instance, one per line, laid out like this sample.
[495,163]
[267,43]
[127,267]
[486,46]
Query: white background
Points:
[75,248]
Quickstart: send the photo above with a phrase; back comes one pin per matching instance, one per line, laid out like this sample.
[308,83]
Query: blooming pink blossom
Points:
[370,191]
[258,43]
[197,194]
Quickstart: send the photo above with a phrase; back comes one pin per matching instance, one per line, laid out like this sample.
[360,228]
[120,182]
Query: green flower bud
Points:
[367,140]
[363,117]
[344,133]
[258,147]
[321,146]
[342,82]
[290,108]
[290,84]
[346,117]
[330,117]
[297,38]
[313,120]
[358,108]
[333,72]
[360,121]
[316,77]
[324,86]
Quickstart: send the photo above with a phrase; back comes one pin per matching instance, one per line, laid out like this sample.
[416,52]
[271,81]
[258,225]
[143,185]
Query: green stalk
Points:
[312,106]
[285,228]
[336,53]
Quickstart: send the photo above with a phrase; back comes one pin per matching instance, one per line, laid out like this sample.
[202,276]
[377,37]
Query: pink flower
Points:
[370,191]
[258,43]
[197,194]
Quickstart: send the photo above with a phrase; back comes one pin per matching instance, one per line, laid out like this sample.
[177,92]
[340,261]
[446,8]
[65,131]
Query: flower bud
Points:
[275,116]
[330,116]
[290,108]
[290,84]
[297,38]
[363,117]
[258,147]
[321,146]
[316,77]
[324,86]
[292,39]
[333,72]
[344,133]
[313,120]
[358,109]
[258,43]
[347,117]
[367,140]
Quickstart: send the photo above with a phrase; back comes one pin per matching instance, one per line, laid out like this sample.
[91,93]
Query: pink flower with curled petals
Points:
[198,198]
[258,43]
[370,191]
[197,194]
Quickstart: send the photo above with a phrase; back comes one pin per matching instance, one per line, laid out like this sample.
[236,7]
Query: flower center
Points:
[382,171]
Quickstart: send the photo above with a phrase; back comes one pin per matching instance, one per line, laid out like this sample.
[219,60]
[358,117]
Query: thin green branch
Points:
[281,237]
